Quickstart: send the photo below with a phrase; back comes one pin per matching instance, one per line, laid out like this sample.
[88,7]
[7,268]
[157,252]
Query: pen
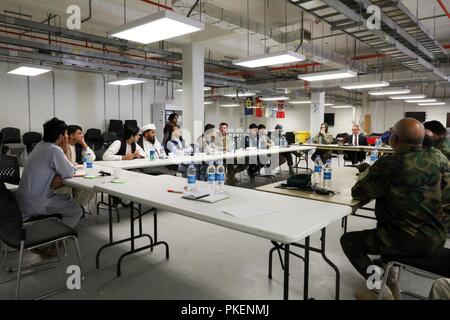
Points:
[173,191]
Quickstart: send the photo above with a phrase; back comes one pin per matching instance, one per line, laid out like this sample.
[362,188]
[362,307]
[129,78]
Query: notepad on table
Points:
[246,210]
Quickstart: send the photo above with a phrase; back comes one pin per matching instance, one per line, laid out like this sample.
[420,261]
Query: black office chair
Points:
[21,236]
[116,126]
[10,138]
[94,139]
[290,137]
[31,139]
[109,138]
[9,169]
[130,124]
[433,267]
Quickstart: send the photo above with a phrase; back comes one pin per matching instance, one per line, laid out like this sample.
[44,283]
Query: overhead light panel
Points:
[208,102]
[270,59]
[160,26]
[408,97]
[389,92]
[204,89]
[274,98]
[241,94]
[329,104]
[126,81]
[30,70]
[342,107]
[432,104]
[365,85]
[230,105]
[420,100]
[328,75]
[300,102]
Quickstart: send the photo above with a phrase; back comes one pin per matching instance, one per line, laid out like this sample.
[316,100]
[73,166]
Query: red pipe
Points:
[444,8]
[369,56]
[447,46]
[297,66]
[157,4]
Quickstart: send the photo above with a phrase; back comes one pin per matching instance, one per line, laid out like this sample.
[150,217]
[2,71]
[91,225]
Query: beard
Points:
[152,140]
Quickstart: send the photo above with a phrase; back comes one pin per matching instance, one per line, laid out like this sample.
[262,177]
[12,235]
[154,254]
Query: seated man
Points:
[176,146]
[125,149]
[408,209]
[148,140]
[45,170]
[355,139]
[206,142]
[225,143]
[252,141]
[77,149]
[439,138]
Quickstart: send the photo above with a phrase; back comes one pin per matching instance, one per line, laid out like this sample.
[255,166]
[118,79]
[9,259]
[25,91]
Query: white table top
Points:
[294,220]
[348,147]
[198,158]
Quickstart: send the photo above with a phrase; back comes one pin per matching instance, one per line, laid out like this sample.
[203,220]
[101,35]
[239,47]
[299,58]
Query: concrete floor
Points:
[206,262]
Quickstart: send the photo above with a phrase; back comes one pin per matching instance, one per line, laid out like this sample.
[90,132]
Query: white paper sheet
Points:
[246,210]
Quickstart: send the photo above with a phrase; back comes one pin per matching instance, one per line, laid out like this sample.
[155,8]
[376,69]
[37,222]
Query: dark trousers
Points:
[323,154]
[359,245]
[286,157]
[354,156]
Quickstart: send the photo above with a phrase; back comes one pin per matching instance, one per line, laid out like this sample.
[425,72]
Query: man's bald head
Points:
[408,131]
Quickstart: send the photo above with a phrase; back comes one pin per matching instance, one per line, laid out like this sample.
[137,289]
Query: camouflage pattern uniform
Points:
[408,209]
[324,154]
[444,146]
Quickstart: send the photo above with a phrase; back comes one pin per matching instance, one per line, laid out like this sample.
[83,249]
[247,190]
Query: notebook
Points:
[213,198]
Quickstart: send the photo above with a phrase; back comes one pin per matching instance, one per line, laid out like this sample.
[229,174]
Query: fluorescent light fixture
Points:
[342,107]
[208,102]
[270,59]
[365,85]
[432,104]
[300,102]
[328,75]
[230,105]
[241,94]
[30,70]
[274,98]
[204,89]
[329,104]
[126,81]
[408,97]
[389,92]
[160,26]
[420,100]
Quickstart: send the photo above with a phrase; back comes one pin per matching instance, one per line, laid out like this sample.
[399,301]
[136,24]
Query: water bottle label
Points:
[317,169]
[152,154]
[327,175]
[191,179]
[211,177]
[89,165]
[220,177]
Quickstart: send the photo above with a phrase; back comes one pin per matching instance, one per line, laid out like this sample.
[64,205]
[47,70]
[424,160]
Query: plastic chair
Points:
[94,138]
[9,169]
[31,139]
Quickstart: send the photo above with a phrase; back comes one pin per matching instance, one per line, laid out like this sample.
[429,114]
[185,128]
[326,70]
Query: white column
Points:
[317,113]
[193,94]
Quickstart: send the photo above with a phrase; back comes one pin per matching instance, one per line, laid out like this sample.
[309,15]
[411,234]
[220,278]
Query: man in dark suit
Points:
[355,139]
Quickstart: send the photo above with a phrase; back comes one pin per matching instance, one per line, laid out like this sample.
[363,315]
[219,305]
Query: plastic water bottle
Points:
[220,176]
[211,174]
[327,175]
[283,141]
[152,154]
[317,175]
[373,156]
[378,143]
[162,153]
[191,176]
[87,163]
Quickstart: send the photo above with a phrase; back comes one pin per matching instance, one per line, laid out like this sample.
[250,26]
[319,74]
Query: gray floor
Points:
[206,262]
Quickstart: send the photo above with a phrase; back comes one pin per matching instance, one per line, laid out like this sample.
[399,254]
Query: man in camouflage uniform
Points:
[440,140]
[407,189]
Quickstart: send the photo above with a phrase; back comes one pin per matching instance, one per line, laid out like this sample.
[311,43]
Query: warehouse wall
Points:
[84,99]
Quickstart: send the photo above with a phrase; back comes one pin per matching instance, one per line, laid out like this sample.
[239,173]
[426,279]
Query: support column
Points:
[193,93]
[317,113]
[366,117]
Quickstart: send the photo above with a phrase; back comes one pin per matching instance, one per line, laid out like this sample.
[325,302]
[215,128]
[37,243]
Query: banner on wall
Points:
[248,106]
[259,108]
[280,110]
